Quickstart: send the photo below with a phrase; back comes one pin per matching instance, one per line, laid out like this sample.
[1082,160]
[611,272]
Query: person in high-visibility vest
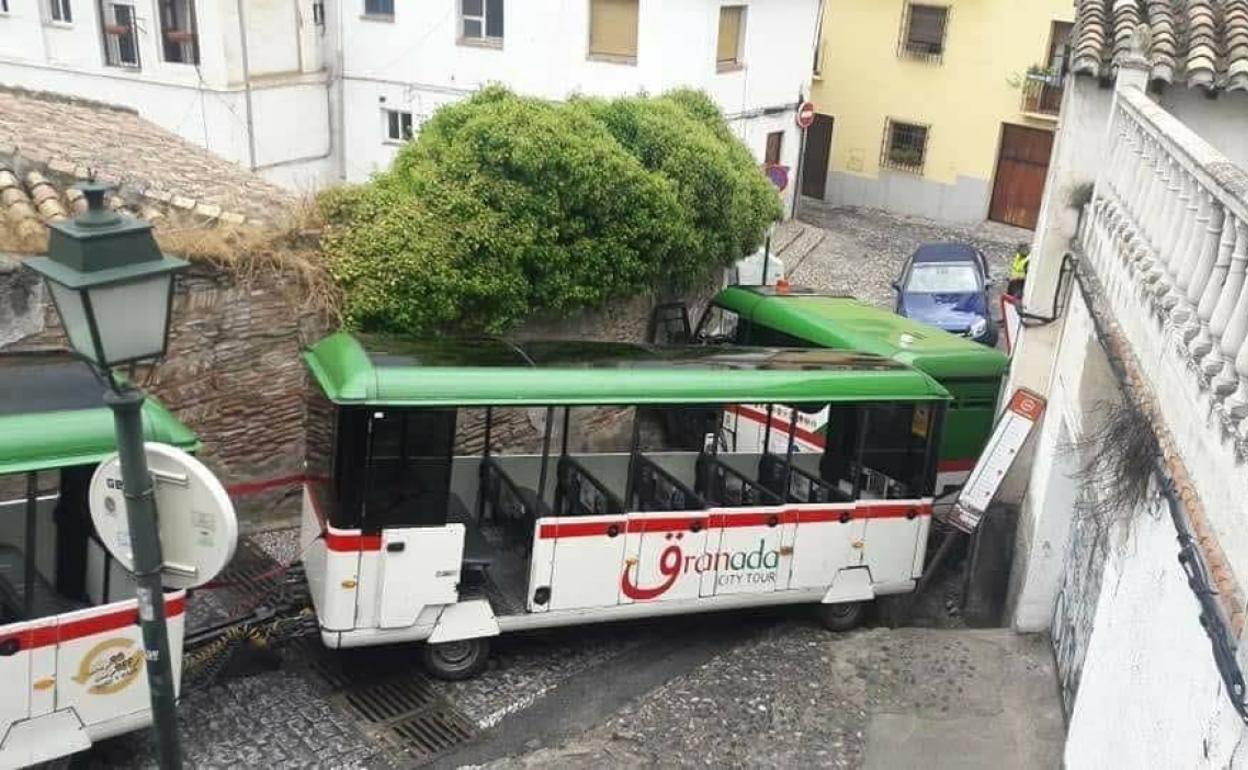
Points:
[1018,270]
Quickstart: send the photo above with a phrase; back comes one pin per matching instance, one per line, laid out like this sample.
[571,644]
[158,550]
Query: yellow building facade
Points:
[942,110]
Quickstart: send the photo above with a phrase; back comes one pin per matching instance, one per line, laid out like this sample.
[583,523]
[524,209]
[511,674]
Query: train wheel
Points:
[457,660]
[841,617]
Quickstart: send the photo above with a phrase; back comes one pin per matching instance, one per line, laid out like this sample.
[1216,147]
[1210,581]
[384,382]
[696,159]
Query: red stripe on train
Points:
[733,520]
[44,636]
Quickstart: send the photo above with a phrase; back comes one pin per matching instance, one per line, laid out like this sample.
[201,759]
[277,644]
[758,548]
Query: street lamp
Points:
[113,290]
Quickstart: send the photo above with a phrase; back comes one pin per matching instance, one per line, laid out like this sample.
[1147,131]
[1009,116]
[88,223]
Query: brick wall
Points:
[234,374]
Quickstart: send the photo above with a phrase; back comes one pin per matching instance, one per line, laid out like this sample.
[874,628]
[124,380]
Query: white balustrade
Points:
[1166,232]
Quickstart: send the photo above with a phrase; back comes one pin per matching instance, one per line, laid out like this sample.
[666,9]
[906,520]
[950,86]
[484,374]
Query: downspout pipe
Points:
[251,124]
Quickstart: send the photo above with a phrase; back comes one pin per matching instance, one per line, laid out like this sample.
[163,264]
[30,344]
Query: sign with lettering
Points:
[1014,426]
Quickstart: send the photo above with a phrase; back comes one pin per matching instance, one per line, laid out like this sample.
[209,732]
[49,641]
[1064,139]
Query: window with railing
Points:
[121,41]
[904,147]
[1043,85]
[923,31]
[178,33]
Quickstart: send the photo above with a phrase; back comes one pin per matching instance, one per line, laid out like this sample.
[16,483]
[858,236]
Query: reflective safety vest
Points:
[1018,268]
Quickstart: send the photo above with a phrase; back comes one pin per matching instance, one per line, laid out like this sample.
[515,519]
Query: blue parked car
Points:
[946,285]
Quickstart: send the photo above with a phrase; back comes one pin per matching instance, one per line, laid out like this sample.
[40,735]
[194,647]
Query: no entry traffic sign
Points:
[806,114]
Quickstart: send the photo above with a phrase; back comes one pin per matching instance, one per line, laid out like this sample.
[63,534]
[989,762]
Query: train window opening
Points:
[719,325]
[894,457]
[409,467]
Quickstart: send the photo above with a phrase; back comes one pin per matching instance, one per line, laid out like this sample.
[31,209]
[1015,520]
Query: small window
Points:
[481,21]
[59,10]
[398,125]
[4,6]
[775,143]
[905,146]
[179,38]
[121,40]
[318,13]
[381,8]
[728,50]
[719,325]
[409,468]
[613,30]
[923,31]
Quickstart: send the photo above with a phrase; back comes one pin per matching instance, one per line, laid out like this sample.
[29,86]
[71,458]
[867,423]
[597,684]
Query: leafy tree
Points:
[504,206]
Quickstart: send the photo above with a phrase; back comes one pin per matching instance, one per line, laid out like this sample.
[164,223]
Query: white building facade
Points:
[402,60]
[183,65]
[311,92]
[1132,542]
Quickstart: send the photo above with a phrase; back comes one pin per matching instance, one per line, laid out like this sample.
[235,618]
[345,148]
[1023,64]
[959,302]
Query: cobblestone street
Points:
[766,689]
[861,251]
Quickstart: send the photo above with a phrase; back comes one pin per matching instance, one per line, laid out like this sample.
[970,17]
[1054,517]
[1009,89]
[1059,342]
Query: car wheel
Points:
[453,661]
[841,617]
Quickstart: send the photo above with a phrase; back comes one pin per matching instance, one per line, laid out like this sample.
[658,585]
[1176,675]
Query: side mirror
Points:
[896,285]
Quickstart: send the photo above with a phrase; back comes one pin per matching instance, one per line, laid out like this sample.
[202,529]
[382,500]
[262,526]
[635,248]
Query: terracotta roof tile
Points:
[49,142]
[1202,43]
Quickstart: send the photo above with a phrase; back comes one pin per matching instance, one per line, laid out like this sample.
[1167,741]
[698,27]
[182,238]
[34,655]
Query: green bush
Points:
[505,206]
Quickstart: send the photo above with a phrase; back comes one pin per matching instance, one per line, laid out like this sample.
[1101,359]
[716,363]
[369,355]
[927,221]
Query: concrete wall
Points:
[544,53]
[205,104]
[964,99]
[1221,121]
[965,200]
[1138,678]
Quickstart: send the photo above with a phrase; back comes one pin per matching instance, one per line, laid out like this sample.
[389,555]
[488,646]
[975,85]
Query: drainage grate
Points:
[388,696]
[426,736]
[390,700]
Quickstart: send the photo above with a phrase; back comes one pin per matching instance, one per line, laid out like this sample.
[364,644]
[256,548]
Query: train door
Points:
[419,553]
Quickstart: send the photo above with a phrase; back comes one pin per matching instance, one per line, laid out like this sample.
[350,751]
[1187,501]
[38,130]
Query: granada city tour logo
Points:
[731,567]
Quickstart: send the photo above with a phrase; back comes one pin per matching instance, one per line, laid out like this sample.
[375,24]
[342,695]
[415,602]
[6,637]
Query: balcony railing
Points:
[1166,232]
[1042,95]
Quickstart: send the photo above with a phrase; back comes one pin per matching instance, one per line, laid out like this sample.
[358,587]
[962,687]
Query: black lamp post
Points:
[113,290]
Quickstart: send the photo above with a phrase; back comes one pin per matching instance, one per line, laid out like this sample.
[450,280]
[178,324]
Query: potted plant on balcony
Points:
[117,30]
[179,35]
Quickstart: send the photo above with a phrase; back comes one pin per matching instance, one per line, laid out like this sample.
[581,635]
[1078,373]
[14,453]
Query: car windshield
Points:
[943,278]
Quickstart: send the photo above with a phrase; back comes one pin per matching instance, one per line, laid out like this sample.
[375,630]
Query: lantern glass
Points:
[71,307]
[131,318]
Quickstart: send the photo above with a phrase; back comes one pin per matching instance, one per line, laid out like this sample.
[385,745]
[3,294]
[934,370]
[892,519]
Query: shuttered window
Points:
[613,29]
[923,31]
[775,141]
[731,26]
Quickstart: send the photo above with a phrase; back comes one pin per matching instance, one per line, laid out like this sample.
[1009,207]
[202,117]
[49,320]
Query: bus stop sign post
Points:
[127,405]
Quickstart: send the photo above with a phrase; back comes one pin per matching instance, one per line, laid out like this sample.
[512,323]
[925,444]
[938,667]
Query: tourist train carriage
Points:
[460,489]
[71,651]
[799,317]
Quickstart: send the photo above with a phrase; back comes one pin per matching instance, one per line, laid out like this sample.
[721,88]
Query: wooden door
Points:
[815,164]
[1022,164]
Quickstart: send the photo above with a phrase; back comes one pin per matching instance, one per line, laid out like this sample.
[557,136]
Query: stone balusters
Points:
[1202,341]
[1225,327]
[1200,209]
[1187,316]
